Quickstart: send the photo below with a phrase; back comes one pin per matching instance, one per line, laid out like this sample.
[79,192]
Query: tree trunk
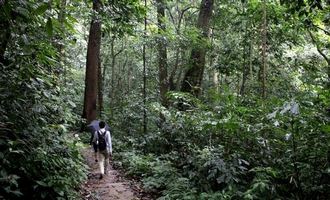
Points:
[129,77]
[92,64]
[162,53]
[264,47]
[247,69]
[114,90]
[144,74]
[245,54]
[113,62]
[62,13]
[60,46]
[194,76]
[172,84]
[181,70]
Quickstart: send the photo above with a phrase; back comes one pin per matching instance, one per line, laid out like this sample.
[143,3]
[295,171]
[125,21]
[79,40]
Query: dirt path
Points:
[111,187]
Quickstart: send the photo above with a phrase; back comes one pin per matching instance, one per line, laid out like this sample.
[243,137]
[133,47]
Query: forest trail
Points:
[111,187]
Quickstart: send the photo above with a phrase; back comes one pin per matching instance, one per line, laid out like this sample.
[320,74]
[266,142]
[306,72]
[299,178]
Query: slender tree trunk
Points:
[162,53]
[214,74]
[114,90]
[144,74]
[179,76]
[104,72]
[124,79]
[264,48]
[129,78]
[113,62]
[60,46]
[245,64]
[193,77]
[62,13]
[172,84]
[92,65]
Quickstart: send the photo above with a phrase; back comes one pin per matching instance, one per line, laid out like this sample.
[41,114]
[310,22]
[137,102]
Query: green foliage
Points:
[230,153]
[137,165]
[46,165]
[225,145]
[261,186]
[228,144]
[39,160]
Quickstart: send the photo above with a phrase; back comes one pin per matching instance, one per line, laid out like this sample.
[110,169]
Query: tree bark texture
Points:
[92,65]
[194,76]
[162,53]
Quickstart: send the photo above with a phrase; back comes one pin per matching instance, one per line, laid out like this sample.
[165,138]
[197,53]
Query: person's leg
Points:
[101,163]
[95,156]
[106,161]
[95,152]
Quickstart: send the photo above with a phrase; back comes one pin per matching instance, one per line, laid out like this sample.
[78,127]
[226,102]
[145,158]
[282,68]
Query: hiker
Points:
[102,138]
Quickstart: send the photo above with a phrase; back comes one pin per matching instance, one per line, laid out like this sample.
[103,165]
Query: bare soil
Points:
[112,186]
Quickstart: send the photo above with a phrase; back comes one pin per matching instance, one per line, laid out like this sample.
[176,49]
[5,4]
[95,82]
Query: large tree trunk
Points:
[92,64]
[162,54]
[194,76]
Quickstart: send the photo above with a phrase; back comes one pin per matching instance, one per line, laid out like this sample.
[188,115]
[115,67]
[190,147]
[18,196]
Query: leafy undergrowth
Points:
[243,150]
[51,170]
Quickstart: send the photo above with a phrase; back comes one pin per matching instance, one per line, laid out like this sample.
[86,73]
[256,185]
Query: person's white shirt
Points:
[107,138]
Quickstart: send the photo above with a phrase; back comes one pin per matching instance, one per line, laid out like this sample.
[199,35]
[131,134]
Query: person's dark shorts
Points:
[95,147]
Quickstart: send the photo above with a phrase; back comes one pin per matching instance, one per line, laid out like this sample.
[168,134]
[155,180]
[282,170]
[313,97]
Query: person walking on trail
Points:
[102,138]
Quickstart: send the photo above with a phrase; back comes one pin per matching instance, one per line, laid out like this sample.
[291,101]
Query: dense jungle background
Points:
[206,99]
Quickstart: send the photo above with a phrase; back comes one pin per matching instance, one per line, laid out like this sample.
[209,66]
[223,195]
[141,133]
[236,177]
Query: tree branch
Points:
[318,47]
